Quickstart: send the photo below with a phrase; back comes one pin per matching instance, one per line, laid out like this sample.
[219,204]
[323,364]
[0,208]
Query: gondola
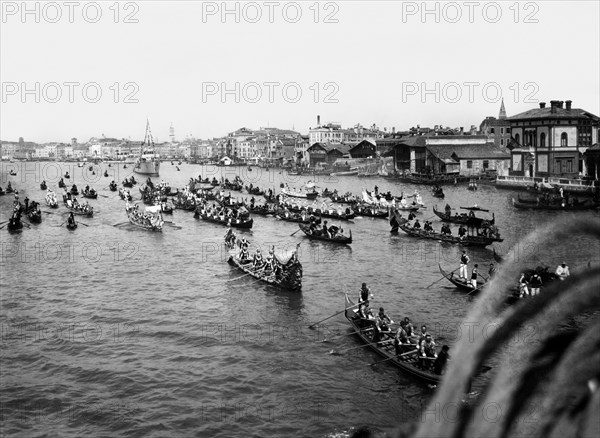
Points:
[14,225]
[2,192]
[462,283]
[228,222]
[464,219]
[255,191]
[61,184]
[345,199]
[43,186]
[113,186]
[127,184]
[79,209]
[106,173]
[263,210]
[475,208]
[74,190]
[297,218]
[299,194]
[345,240]
[396,220]
[465,241]
[34,215]
[346,215]
[67,175]
[438,193]
[407,363]
[563,206]
[91,194]
[367,211]
[13,173]
[125,195]
[51,200]
[286,276]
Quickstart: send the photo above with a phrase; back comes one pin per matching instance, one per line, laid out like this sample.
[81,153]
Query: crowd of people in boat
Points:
[257,263]
[147,219]
[486,230]
[72,202]
[406,340]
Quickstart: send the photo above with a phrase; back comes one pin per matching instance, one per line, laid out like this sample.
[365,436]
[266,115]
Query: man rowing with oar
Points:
[365,294]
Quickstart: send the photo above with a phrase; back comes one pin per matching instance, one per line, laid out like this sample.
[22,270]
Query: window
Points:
[492,131]
[486,164]
[518,138]
[569,166]
[501,142]
[563,139]
[469,164]
[502,131]
[543,140]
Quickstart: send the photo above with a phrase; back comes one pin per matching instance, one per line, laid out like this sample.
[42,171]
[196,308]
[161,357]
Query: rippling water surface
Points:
[111,330]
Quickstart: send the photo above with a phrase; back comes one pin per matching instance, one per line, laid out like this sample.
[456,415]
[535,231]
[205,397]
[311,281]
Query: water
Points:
[111,330]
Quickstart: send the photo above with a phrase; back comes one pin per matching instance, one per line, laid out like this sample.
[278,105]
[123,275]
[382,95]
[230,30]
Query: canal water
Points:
[111,330]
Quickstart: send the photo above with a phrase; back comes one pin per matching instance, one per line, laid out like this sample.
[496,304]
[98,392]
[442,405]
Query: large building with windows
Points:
[551,141]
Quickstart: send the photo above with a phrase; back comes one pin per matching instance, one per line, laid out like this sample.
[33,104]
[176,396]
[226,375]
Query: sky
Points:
[84,69]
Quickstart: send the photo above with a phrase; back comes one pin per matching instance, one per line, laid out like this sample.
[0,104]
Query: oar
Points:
[81,223]
[62,224]
[5,222]
[300,229]
[237,278]
[334,351]
[476,289]
[347,334]
[441,278]
[393,357]
[335,314]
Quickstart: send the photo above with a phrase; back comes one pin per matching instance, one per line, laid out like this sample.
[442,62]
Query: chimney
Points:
[462,129]
[568,102]
[542,104]
[393,129]
[560,104]
[553,104]
[318,120]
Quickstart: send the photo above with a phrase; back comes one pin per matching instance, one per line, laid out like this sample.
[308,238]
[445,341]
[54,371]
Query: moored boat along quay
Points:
[281,346]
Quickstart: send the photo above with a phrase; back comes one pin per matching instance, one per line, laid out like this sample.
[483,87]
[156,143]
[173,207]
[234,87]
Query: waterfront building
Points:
[552,141]
[497,130]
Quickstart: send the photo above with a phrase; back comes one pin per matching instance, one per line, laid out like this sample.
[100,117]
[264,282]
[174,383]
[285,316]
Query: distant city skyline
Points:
[388,63]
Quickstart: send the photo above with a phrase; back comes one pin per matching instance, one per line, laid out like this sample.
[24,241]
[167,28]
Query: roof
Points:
[468,151]
[343,148]
[545,113]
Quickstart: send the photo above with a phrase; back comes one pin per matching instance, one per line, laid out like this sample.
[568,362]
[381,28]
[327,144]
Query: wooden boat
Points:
[61,184]
[43,186]
[74,190]
[462,283]
[125,195]
[297,217]
[471,221]
[563,206]
[337,239]
[299,194]
[263,210]
[51,200]
[465,241]
[475,208]
[228,222]
[408,363]
[79,209]
[72,226]
[34,215]
[286,276]
[113,186]
[14,225]
[344,199]
[345,173]
[147,221]
[438,193]
[67,175]
[396,220]
[368,211]
[127,183]
[91,194]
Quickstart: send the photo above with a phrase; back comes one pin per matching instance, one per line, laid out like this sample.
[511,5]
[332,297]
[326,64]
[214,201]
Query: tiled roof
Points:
[561,113]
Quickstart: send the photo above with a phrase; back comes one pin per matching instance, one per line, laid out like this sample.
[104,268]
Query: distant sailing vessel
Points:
[148,163]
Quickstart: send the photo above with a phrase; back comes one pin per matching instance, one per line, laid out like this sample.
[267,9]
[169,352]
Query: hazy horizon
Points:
[384,63]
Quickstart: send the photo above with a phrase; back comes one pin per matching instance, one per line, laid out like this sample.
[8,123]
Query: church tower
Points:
[172,133]
[502,114]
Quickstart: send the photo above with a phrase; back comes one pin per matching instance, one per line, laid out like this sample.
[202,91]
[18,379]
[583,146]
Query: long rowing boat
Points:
[408,363]
[287,276]
[464,219]
[339,238]
[562,206]
[465,241]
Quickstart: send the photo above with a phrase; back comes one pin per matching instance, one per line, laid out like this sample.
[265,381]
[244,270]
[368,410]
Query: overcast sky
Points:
[361,62]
